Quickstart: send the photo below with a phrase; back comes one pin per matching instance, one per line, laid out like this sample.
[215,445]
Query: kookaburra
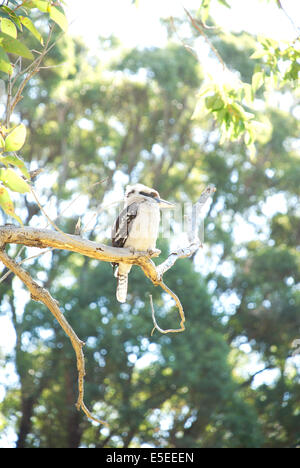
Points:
[136,227]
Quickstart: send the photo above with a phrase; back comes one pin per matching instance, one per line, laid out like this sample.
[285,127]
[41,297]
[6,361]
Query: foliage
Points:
[231,100]
[14,15]
[12,141]
[223,101]
[17,17]
[281,62]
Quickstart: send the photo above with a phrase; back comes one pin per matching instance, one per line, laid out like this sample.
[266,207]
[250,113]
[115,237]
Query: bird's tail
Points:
[122,286]
[121,273]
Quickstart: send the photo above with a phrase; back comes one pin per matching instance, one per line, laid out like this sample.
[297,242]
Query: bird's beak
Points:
[164,203]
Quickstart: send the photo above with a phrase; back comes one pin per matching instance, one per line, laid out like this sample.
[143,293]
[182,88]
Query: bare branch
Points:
[200,29]
[186,46]
[174,256]
[191,249]
[31,70]
[296,28]
[44,212]
[193,234]
[179,306]
[8,101]
[194,218]
[44,238]
[42,295]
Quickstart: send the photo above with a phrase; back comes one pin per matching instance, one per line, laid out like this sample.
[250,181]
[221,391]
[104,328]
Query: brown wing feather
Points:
[122,226]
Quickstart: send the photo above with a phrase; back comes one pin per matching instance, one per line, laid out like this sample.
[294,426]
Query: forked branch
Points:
[44,238]
[193,222]
[40,294]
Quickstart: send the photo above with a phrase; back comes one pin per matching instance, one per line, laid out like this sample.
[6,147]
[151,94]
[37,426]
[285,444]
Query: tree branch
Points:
[194,244]
[199,28]
[193,234]
[31,70]
[179,306]
[42,295]
[44,238]
[297,29]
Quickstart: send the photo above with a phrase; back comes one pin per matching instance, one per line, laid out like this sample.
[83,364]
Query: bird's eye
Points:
[147,194]
[153,194]
[130,193]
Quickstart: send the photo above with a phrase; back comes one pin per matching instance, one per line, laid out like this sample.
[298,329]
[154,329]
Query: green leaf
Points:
[42,5]
[223,2]
[2,143]
[257,80]
[252,152]
[205,10]
[13,16]
[5,64]
[218,104]
[210,101]
[8,27]
[248,138]
[16,138]
[7,205]
[214,103]
[13,181]
[7,10]
[247,93]
[258,54]
[13,46]
[14,160]
[200,110]
[30,26]
[59,18]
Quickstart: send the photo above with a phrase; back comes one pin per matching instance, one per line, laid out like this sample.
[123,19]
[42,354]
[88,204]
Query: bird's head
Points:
[140,193]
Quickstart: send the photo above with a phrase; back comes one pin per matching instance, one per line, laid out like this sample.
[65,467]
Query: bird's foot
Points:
[77,230]
[153,252]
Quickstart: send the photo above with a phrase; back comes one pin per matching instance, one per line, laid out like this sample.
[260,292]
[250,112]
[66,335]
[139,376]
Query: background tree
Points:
[85,123]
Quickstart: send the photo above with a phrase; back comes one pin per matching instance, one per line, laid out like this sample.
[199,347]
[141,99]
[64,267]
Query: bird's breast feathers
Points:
[144,229]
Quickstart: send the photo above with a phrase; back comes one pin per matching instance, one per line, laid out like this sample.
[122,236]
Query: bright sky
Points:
[140,25]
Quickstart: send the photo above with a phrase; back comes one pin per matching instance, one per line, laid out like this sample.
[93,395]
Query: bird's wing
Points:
[122,225]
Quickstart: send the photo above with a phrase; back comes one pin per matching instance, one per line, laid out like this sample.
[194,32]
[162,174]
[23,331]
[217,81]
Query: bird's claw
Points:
[153,252]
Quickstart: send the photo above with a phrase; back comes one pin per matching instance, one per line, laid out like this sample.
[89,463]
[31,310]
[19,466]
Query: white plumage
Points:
[136,227]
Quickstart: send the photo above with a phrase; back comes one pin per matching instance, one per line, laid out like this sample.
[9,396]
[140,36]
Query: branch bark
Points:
[42,295]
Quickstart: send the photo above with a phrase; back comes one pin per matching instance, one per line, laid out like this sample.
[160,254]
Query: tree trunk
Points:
[25,425]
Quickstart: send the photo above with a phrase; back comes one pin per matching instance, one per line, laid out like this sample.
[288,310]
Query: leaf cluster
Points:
[19,14]
[10,142]
[14,17]
[228,104]
[280,62]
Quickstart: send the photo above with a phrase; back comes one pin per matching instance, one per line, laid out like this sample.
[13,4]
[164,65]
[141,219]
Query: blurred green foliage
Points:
[128,118]
[14,15]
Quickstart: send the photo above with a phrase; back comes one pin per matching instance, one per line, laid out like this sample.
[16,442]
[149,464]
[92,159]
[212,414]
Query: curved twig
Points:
[296,28]
[179,306]
[199,28]
[194,245]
